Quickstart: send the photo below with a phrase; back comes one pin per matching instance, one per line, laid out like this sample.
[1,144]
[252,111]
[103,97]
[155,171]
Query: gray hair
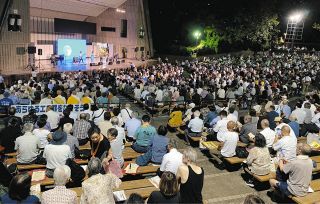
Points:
[94,166]
[134,114]
[67,128]
[28,127]
[196,113]
[114,121]
[173,143]
[190,154]
[61,175]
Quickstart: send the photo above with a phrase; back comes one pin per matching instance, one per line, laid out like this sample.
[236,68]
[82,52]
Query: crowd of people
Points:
[274,90]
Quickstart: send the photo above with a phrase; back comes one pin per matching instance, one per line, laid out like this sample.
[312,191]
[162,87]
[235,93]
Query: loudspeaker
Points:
[100,63]
[141,49]
[110,63]
[136,49]
[123,61]
[118,62]
[32,50]
[39,51]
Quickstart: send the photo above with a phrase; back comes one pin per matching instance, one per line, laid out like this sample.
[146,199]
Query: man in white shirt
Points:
[299,113]
[46,100]
[195,127]
[229,140]
[56,153]
[231,115]
[53,118]
[286,145]
[131,126]
[267,133]
[316,118]
[125,113]
[121,133]
[221,93]
[196,124]
[27,145]
[172,160]
[221,126]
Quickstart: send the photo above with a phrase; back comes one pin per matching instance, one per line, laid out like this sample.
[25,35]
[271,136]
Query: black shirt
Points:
[158,197]
[190,192]
[103,147]
[8,136]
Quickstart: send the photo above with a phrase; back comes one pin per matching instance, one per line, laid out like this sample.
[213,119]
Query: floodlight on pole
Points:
[295,27]
[296,17]
[197,35]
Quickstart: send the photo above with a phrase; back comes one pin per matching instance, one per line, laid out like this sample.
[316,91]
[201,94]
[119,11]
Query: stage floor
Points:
[47,67]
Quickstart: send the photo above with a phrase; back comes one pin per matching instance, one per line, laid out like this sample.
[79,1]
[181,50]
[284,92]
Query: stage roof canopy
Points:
[71,9]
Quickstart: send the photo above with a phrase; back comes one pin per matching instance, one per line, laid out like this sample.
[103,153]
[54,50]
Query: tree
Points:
[210,41]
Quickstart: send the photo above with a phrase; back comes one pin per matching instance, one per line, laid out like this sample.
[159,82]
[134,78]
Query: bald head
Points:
[285,130]
[265,123]
[292,117]
[247,119]
[303,149]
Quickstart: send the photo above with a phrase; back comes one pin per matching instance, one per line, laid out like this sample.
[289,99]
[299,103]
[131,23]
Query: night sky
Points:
[173,21]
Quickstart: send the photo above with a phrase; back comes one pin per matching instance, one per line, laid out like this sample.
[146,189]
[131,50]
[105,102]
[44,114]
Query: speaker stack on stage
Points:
[92,64]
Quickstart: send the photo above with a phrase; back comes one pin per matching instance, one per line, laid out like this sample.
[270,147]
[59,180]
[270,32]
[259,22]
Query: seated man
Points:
[71,141]
[248,127]
[299,173]
[60,194]
[157,148]
[195,126]
[143,135]
[285,145]
[131,126]
[57,152]
[221,125]
[27,146]
[172,160]
[80,129]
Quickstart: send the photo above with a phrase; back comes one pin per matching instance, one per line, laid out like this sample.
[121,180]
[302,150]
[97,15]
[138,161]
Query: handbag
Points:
[77,172]
[242,152]
[113,167]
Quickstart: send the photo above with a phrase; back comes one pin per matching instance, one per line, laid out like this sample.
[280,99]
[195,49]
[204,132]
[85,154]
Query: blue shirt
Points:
[286,111]
[144,134]
[211,115]
[29,200]
[131,126]
[6,102]
[159,147]
[295,127]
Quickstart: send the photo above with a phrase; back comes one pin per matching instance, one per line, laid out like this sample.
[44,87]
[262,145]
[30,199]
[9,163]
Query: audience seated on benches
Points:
[296,174]
[71,141]
[60,194]
[80,129]
[268,133]
[105,125]
[98,187]
[247,128]
[117,145]
[143,135]
[258,160]
[157,148]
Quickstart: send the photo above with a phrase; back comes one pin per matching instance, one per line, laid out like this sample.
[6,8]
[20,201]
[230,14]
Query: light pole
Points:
[295,28]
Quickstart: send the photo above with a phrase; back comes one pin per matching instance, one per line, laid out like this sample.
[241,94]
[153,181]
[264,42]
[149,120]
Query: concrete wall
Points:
[10,60]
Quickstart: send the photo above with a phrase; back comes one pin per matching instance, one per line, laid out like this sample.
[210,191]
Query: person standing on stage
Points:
[80,57]
[92,57]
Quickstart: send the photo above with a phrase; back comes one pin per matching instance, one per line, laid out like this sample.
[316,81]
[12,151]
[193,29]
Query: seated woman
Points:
[99,144]
[175,118]
[258,161]
[98,188]
[190,176]
[157,148]
[169,190]
[19,191]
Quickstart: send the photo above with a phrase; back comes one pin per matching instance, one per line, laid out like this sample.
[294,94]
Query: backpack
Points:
[77,172]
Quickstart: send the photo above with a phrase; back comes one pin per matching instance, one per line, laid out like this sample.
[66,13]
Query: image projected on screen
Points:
[73,51]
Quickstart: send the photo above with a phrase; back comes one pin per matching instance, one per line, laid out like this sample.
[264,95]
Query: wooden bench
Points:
[129,154]
[128,144]
[195,139]
[86,146]
[310,198]
[316,159]
[272,175]
[24,167]
[143,169]
[213,145]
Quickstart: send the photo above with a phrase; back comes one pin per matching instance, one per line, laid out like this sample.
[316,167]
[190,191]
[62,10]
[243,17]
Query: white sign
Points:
[22,110]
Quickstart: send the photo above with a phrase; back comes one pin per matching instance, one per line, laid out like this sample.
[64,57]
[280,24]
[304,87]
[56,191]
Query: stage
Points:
[47,67]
